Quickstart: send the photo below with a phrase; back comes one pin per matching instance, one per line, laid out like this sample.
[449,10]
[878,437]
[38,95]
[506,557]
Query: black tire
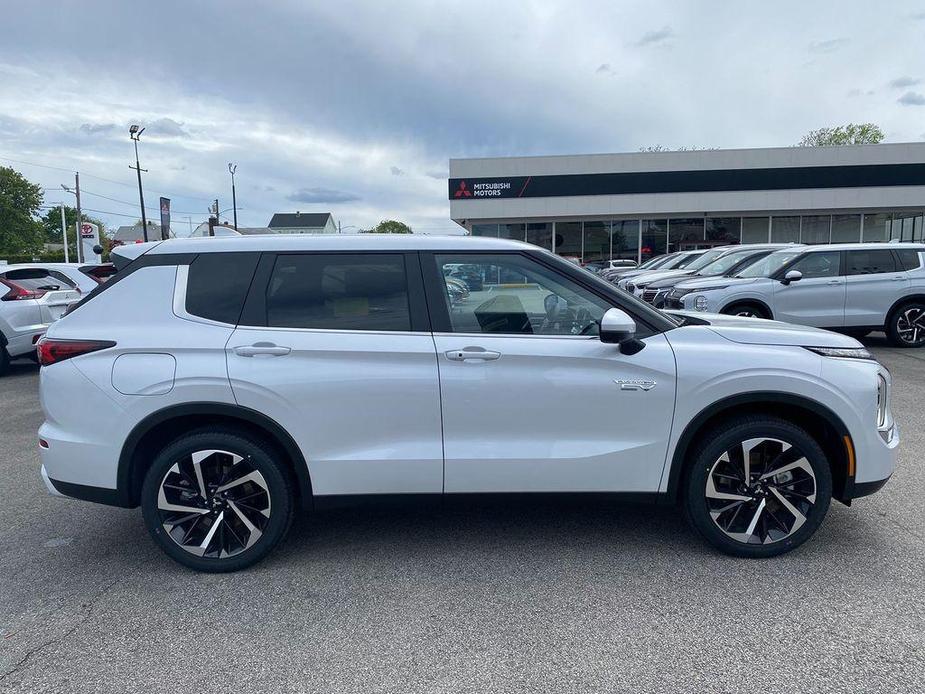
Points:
[766,516]
[745,308]
[274,490]
[4,360]
[898,324]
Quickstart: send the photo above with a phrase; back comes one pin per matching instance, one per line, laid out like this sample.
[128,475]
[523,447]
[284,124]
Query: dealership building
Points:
[641,204]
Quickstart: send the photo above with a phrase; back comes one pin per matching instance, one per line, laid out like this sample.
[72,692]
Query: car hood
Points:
[758,331]
[699,282]
[651,276]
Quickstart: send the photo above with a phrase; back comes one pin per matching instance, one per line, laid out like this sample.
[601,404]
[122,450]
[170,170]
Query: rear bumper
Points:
[24,343]
[98,495]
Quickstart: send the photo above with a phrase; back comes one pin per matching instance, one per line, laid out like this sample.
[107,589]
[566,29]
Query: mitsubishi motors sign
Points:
[463,189]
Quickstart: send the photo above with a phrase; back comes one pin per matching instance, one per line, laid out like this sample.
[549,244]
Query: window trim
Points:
[440,316]
[254,315]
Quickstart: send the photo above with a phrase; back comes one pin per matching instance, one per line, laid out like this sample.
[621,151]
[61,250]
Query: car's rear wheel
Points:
[217,501]
[757,487]
[906,325]
[746,310]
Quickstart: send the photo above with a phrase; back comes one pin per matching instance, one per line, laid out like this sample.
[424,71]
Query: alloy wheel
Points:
[746,313]
[910,325]
[214,504]
[761,491]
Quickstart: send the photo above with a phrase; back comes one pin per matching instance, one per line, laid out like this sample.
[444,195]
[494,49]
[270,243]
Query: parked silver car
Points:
[31,299]
[854,288]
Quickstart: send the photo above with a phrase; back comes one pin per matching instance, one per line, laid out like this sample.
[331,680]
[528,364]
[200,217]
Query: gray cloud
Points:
[166,126]
[603,68]
[655,38]
[912,99]
[97,128]
[322,195]
[827,46]
[902,82]
[438,175]
[396,171]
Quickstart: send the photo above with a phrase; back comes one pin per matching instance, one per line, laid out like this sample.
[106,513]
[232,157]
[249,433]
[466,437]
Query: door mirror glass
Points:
[793,276]
[617,326]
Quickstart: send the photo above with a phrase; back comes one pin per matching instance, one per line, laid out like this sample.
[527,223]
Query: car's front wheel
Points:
[217,500]
[746,310]
[906,325]
[757,487]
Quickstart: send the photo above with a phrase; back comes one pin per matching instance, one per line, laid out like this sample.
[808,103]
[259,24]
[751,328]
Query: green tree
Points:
[20,200]
[389,226]
[850,134]
[51,228]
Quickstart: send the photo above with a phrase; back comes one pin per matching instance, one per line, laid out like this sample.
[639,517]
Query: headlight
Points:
[842,352]
[710,289]
[677,292]
[700,303]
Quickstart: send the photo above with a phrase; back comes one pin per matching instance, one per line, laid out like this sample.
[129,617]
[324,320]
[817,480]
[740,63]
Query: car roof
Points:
[866,246]
[326,242]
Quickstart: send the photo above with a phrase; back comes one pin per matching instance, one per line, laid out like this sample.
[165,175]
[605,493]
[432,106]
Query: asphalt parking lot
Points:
[551,596]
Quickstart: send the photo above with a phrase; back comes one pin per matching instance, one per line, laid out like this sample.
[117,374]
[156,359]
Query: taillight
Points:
[18,293]
[51,351]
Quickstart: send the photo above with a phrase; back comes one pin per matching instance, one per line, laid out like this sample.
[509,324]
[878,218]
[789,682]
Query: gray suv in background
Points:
[853,288]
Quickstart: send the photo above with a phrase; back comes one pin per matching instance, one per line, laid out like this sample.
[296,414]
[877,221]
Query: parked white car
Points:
[31,299]
[849,287]
[82,276]
[270,373]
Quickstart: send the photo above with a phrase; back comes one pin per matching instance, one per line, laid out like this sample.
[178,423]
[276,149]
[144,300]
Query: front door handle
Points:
[472,354]
[834,282]
[261,349]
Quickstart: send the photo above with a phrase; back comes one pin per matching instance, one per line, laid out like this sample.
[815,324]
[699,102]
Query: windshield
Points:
[655,262]
[679,261]
[768,265]
[702,260]
[722,264]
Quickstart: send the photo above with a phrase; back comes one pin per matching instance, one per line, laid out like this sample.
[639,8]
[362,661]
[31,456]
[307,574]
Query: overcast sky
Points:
[356,107]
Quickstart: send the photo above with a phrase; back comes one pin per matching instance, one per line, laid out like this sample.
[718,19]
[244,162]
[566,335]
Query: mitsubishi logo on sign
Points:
[462,191]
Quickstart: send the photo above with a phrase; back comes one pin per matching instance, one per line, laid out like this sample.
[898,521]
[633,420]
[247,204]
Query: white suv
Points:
[853,288]
[242,378]
[31,299]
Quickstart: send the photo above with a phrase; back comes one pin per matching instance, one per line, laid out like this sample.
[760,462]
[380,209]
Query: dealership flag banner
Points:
[165,218]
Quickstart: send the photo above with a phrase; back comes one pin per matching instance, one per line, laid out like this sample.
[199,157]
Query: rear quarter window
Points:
[217,285]
[908,259]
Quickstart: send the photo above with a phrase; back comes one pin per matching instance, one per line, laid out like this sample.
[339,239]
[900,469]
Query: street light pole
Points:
[134,133]
[64,233]
[234,201]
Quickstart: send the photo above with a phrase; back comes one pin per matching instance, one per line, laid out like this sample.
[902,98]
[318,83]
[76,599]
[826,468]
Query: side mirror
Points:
[617,328]
[792,276]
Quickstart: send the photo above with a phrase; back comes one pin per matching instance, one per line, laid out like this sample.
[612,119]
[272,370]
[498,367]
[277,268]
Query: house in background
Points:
[303,223]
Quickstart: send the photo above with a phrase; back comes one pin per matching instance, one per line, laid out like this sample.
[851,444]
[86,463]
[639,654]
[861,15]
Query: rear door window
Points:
[869,262]
[339,292]
[908,259]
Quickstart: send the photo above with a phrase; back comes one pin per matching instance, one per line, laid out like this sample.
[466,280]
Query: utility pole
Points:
[213,217]
[338,227]
[64,233]
[234,201]
[80,255]
[134,133]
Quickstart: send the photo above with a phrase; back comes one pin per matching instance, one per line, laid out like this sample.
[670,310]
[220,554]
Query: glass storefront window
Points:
[755,230]
[654,238]
[877,227]
[624,234]
[846,228]
[685,234]
[728,229]
[540,234]
[517,232]
[597,241]
[815,229]
[568,239]
[485,230]
[785,230]
[917,229]
[903,226]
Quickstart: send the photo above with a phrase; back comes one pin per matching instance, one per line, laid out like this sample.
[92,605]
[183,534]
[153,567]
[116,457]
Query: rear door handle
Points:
[261,349]
[472,354]
[834,281]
